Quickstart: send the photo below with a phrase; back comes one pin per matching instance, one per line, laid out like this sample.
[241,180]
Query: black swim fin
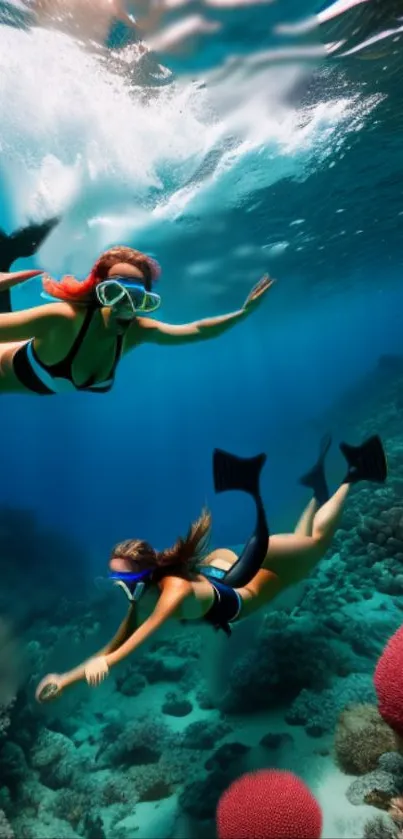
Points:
[237,473]
[315,479]
[26,241]
[366,462]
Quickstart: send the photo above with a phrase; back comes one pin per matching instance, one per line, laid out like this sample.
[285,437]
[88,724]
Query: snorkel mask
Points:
[133,584]
[121,289]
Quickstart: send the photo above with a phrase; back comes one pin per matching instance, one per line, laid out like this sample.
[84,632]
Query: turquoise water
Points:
[224,163]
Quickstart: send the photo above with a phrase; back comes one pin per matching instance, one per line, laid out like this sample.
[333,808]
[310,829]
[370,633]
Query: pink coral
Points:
[388,681]
[270,804]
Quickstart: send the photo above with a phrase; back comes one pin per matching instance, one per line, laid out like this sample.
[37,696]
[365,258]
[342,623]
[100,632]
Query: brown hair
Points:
[148,267]
[184,555]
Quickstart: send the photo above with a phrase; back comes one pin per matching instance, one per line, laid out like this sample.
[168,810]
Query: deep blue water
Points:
[324,219]
[295,170]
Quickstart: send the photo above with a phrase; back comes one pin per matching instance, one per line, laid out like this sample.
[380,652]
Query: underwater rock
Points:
[377,781]
[204,699]
[48,827]
[276,741]
[13,765]
[93,826]
[225,757]
[56,759]
[142,741]
[391,762]
[147,784]
[132,684]
[169,668]
[154,788]
[30,795]
[199,798]
[4,720]
[204,735]
[289,655]
[71,806]
[5,829]
[117,788]
[379,827]
[176,706]
[318,712]
[361,641]
[151,782]
[361,738]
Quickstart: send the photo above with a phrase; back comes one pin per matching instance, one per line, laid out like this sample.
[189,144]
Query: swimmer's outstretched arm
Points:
[155,332]
[174,591]
[65,680]
[13,278]
[126,629]
[29,323]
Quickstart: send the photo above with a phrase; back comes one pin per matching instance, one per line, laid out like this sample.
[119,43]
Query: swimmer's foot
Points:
[366,462]
[237,473]
[315,479]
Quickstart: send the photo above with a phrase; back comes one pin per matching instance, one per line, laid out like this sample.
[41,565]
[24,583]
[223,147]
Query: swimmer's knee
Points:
[320,544]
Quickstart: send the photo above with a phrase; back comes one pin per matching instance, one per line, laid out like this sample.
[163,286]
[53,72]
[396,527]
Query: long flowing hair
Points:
[182,557]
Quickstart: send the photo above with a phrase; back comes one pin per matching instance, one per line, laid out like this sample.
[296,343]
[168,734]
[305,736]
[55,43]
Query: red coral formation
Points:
[269,804]
[388,681]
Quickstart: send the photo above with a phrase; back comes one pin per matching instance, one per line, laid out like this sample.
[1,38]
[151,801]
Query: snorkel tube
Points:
[133,584]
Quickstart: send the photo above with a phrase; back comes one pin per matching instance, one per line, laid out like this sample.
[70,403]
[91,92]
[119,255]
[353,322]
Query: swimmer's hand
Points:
[255,296]
[96,670]
[13,278]
[49,688]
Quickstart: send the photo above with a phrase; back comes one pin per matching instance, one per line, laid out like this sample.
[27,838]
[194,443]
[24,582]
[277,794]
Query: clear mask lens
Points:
[116,292]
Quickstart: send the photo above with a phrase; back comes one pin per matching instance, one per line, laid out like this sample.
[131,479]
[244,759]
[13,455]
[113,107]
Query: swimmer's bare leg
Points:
[305,524]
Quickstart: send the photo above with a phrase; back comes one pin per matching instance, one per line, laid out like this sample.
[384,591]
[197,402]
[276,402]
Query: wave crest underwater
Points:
[120,160]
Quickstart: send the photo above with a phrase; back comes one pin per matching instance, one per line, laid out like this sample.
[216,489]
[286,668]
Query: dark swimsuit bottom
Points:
[50,379]
[227,603]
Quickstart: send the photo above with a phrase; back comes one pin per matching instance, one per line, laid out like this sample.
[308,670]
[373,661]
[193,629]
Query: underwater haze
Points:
[250,138]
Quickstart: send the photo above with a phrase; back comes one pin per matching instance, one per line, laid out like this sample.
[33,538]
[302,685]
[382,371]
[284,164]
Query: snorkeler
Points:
[24,242]
[76,344]
[188,583]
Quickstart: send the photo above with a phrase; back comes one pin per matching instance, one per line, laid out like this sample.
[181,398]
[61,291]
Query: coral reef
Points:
[318,711]
[154,735]
[361,738]
[379,827]
[198,735]
[268,805]
[388,681]
[379,782]
[176,705]
[6,831]
[396,814]
[4,719]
